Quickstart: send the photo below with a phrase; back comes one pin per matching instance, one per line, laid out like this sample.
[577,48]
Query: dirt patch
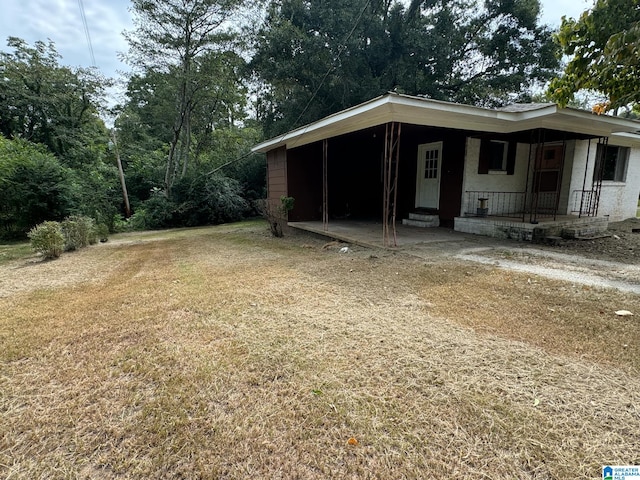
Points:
[622,244]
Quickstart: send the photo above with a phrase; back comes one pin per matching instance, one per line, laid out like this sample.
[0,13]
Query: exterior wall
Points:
[276,173]
[618,200]
[491,182]
[567,186]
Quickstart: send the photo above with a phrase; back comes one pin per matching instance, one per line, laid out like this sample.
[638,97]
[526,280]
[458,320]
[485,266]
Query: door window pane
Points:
[431,164]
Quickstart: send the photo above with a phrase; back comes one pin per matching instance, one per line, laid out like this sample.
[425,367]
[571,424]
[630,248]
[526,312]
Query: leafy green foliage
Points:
[78,232]
[47,239]
[212,199]
[197,200]
[339,55]
[190,76]
[34,187]
[46,103]
[604,44]
[276,213]
[155,213]
[102,232]
[55,161]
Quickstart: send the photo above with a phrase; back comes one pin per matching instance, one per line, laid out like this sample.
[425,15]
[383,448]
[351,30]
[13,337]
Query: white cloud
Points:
[61,21]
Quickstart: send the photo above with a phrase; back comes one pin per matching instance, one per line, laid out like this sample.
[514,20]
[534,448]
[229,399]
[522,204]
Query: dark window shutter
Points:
[511,157]
[483,161]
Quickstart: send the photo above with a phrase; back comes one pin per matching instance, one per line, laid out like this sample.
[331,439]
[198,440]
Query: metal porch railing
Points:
[525,206]
[584,203]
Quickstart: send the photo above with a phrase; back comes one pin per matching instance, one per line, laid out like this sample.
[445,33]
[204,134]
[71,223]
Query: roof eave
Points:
[435,113]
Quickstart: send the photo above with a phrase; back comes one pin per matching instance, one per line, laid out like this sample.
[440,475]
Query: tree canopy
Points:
[183,49]
[604,46]
[339,54]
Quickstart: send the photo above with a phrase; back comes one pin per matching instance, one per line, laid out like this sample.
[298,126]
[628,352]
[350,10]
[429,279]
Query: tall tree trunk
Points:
[186,143]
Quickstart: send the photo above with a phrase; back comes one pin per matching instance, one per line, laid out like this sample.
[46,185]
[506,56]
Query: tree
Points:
[46,103]
[174,46]
[56,108]
[604,44]
[34,187]
[319,56]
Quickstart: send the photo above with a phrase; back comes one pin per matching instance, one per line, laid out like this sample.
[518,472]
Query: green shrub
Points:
[47,239]
[276,214]
[155,213]
[78,231]
[119,224]
[102,232]
[208,200]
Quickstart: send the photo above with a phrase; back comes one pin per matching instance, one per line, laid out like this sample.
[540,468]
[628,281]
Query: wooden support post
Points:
[325,185]
[390,183]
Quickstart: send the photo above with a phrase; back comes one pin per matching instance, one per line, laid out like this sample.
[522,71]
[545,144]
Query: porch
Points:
[369,233]
[528,206]
[532,216]
[468,232]
[545,229]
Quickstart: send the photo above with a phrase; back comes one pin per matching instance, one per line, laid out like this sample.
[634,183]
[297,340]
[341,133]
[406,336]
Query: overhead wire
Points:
[341,49]
[86,32]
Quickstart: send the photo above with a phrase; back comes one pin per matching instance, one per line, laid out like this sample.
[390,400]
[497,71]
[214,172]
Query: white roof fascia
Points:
[435,113]
[325,122]
[625,139]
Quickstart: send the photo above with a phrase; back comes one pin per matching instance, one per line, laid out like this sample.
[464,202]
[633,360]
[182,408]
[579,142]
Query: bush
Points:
[78,232]
[276,213]
[102,232]
[47,239]
[208,200]
[155,213]
[34,187]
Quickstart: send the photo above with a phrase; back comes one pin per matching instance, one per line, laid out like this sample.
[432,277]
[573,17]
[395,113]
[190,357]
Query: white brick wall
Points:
[618,200]
[473,181]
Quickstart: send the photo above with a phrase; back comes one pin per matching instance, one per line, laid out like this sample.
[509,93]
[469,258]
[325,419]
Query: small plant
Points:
[47,239]
[78,231]
[276,214]
[102,232]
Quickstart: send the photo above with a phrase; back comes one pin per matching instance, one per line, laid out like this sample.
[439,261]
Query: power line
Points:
[86,32]
[342,48]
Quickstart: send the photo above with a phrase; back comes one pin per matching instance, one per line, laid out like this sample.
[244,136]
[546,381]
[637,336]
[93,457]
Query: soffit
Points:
[433,113]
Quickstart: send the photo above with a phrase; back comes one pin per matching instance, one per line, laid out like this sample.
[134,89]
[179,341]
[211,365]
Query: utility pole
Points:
[125,195]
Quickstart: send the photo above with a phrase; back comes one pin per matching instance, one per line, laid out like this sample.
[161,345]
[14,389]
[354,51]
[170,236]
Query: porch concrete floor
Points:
[369,234]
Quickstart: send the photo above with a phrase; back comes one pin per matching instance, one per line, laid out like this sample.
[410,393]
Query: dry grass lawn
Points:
[222,353]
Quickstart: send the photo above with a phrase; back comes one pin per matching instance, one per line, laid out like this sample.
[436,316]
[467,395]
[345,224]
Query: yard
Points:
[223,353]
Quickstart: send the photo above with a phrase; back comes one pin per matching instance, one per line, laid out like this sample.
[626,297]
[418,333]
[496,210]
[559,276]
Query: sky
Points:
[61,21]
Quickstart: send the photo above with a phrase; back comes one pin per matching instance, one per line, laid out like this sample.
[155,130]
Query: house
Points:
[522,171]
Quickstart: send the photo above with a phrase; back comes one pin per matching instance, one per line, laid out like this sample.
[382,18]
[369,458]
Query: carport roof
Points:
[394,107]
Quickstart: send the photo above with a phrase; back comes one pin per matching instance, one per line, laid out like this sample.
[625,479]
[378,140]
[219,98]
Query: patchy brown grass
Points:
[224,353]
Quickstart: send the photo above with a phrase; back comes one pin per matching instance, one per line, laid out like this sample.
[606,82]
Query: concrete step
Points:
[423,217]
[433,221]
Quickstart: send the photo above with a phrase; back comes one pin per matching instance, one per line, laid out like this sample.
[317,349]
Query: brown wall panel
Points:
[276,173]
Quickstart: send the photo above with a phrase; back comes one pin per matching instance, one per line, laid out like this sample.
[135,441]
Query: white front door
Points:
[428,175]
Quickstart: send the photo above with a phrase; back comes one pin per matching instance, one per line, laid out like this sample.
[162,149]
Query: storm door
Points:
[428,175]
